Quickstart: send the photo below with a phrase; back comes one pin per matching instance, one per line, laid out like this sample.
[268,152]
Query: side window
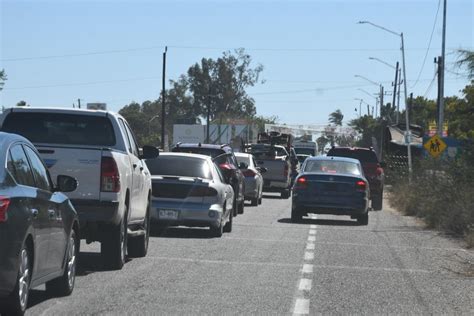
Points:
[127,137]
[20,166]
[133,142]
[219,173]
[39,170]
[233,160]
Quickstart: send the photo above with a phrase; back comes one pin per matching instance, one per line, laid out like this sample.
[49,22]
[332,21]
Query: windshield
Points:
[56,128]
[305,151]
[331,166]
[179,166]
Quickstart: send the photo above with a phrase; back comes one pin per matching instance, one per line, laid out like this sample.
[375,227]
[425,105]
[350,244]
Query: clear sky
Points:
[111,51]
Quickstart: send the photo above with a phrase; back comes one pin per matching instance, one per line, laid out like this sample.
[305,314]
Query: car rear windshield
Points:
[331,166]
[245,160]
[305,151]
[362,155]
[59,128]
[267,152]
[179,166]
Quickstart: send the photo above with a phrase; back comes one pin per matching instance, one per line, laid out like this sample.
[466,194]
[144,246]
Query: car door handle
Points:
[134,165]
[34,212]
[51,213]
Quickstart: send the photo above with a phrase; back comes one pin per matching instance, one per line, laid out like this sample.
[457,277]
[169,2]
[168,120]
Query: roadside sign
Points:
[435,146]
[433,129]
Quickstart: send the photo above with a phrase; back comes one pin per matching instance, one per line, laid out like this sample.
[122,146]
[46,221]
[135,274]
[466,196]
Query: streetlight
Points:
[381,91]
[407,129]
[368,93]
[397,78]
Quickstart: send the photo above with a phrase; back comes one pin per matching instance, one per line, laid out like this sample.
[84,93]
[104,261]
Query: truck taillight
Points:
[285,171]
[109,175]
[249,173]
[4,203]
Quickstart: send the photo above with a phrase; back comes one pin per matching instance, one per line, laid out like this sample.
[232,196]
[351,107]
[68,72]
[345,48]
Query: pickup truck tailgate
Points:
[275,170]
[84,164]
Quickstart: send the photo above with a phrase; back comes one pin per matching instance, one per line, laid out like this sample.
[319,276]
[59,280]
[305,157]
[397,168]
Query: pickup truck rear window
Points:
[179,166]
[59,128]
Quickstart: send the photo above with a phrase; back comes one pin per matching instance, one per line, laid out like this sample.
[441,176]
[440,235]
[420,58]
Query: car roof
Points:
[352,148]
[203,157]
[333,158]
[224,147]
[239,154]
[7,138]
[62,110]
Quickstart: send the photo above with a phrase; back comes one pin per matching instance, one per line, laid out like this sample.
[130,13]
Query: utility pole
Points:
[381,100]
[438,97]
[368,110]
[395,92]
[163,99]
[398,92]
[79,103]
[407,121]
[441,74]
[360,108]
[208,119]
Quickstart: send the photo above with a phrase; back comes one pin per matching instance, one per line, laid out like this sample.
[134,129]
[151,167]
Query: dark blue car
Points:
[331,185]
[39,229]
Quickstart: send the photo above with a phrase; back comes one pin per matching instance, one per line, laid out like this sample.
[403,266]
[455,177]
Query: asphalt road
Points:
[268,265]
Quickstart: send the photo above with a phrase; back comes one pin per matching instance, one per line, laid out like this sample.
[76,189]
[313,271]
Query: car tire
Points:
[64,285]
[240,208]
[235,208]
[285,194]
[254,201]
[296,214]
[17,302]
[137,247]
[228,225]
[377,202]
[113,249]
[217,231]
[363,219]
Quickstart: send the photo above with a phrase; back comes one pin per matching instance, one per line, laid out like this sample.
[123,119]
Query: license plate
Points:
[168,214]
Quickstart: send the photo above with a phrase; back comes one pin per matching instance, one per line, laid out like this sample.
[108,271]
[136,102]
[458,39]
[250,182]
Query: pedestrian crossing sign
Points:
[435,146]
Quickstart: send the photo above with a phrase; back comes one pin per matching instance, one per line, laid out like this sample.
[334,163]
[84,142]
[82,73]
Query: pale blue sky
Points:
[311,50]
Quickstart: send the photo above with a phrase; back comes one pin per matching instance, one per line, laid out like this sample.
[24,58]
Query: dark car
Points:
[373,170]
[39,229]
[331,185]
[224,157]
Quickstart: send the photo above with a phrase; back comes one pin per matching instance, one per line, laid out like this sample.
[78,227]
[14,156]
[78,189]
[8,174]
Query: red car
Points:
[373,170]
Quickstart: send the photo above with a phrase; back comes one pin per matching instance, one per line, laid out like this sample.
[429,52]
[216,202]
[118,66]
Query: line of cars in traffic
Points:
[106,189]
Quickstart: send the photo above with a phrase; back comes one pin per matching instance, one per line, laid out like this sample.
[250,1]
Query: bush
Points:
[441,193]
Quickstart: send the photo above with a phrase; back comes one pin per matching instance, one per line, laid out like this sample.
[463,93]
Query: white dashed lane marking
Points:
[305,285]
[301,307]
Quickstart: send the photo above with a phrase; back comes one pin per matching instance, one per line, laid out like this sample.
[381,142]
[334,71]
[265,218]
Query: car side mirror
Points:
[149,152]
[243,165]
[66,183]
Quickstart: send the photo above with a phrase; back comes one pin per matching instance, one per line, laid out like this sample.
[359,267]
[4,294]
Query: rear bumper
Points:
[251,190]
[189,214]
[275,185]
[331,205]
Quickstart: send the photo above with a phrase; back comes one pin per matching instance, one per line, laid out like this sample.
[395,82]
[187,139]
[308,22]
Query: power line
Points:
[430,85]
[429,45]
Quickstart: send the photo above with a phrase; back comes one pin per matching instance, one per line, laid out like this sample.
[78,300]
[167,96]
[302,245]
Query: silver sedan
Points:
[190,190]
[253,177]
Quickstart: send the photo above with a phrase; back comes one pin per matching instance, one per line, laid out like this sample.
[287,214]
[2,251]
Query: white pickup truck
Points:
[114,185]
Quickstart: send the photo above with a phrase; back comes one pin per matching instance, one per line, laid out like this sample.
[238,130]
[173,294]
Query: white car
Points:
[190,190]
[253,177]
[99,149]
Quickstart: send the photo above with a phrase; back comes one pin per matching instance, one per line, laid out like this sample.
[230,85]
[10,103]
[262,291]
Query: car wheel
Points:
[377,202]
[296,214]
[64,285]
[17,302]
[235,208]
[228,225]
[217,231]
[363,219]
[241,207]
[113,249]
[285,194]
[254,202]
[138,246]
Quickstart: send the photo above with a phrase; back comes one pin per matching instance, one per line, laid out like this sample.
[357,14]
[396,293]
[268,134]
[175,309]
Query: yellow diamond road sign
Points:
[435,146]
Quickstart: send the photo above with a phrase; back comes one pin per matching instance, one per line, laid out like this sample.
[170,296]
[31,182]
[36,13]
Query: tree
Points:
[22,103]
[466,58]
[336,117]
[3,77]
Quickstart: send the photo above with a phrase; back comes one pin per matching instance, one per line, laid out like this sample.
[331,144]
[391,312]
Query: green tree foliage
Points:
[3,77]
[368,127]
[466,58]
[336,117]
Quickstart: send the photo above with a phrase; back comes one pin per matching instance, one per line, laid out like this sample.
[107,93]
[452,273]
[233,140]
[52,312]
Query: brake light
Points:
[4,203]
[109,175]
[361,186]
[249,173]
[202,191]
[301,183]
[225,166]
